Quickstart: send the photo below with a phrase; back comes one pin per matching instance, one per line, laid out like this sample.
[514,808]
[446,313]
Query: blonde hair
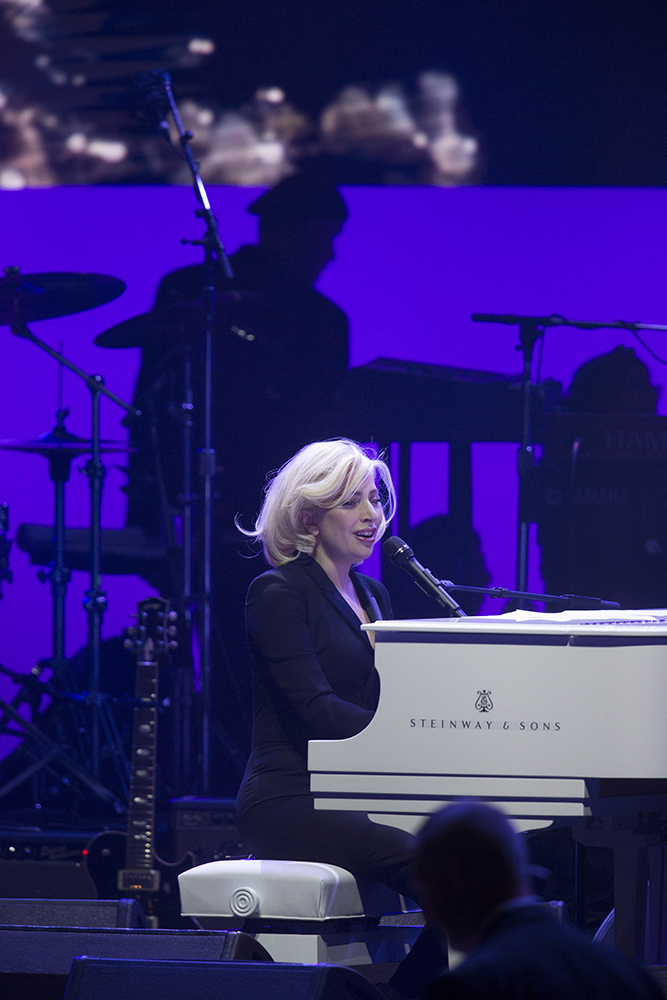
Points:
[320,476]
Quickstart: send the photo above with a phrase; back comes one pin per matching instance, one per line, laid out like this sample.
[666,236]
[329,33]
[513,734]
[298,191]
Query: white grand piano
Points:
[523,710]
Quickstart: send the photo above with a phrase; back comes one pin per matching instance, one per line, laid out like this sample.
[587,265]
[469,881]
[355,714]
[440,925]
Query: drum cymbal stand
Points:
[58,575]
[43,750]
[95,599]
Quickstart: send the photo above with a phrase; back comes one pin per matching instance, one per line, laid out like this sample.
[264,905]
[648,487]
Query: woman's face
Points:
[346,535]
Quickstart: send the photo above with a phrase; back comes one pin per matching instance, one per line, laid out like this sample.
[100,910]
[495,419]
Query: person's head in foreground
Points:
[331,501]
[468,863]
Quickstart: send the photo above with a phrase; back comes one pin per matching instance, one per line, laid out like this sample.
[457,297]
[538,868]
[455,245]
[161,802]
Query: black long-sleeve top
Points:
[313,670]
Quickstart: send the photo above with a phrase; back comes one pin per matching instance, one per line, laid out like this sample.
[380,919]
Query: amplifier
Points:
[206,827]
[44,864]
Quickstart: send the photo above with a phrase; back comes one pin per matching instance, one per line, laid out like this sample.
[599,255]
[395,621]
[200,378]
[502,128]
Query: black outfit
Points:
[314,678]
[527,955]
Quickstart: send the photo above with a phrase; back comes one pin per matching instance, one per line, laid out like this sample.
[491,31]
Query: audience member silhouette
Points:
[472,870]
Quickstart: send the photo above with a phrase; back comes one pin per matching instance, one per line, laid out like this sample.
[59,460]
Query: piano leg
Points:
[580,891]
[631,871]
[656,945]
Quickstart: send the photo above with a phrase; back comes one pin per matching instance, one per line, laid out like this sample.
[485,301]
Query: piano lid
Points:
[649,624]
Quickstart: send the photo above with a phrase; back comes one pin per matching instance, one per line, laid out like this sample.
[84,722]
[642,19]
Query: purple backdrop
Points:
[412,265]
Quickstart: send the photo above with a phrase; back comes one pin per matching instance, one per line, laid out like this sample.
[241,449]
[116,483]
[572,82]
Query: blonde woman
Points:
[313,666]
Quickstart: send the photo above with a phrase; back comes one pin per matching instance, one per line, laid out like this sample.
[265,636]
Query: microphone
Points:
[149,100]
[400,553]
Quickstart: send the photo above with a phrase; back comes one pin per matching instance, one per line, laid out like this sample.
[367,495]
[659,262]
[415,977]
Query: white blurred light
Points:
[3,99]
[23,5]
[27,17]
[12,179]
[107,149]
[205,117]
[76,143]
[58,77]
[274,95]
[272,152]
[454,155]
[78,80]
[201,46]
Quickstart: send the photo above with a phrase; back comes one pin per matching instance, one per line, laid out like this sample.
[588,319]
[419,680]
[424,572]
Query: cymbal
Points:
[181,320]
[55,293]
[49,444]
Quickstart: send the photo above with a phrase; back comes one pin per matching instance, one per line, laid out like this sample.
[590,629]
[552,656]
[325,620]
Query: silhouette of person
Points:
[281,353]
[472,868]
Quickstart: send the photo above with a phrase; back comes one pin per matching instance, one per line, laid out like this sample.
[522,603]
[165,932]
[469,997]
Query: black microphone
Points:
[402,555]
[149,101]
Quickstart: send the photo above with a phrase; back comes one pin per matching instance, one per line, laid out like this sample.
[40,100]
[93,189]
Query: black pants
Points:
[291,829]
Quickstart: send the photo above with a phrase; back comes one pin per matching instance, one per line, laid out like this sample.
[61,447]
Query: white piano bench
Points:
[302,911]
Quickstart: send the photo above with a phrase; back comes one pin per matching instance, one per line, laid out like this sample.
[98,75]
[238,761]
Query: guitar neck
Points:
[151,638]
[139,872]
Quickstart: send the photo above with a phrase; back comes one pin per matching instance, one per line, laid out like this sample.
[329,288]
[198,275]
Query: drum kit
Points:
[30,297]
[24,299]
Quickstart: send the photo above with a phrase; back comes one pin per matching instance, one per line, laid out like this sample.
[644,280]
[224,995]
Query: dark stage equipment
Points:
[205,828]
[104,979]
[71,913]
[35,961]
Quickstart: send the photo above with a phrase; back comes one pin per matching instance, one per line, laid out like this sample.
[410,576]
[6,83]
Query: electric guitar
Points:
[139,877]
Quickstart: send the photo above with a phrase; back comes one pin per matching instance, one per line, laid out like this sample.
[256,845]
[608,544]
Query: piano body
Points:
[529,712]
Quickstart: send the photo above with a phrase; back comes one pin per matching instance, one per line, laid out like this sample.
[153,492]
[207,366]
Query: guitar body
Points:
[105,859]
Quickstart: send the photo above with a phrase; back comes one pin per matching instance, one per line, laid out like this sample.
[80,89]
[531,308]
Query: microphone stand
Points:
[95,598]
[530,329]
[214,253]
[567,602]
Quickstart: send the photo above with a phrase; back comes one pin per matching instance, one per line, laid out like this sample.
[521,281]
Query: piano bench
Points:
[302,911]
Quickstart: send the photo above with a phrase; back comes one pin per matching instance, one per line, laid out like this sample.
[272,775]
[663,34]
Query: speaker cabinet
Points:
[109,979]
[71,912]
[35,961]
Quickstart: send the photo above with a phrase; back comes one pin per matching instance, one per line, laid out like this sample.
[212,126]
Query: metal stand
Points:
[184,679]
[214,258]
[95,601]
[58,574]
[565,602]
[52,751]
[529,332]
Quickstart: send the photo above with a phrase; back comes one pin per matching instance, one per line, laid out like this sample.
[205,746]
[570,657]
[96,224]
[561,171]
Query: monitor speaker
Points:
[109,979]
[71,913]
[35,961]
